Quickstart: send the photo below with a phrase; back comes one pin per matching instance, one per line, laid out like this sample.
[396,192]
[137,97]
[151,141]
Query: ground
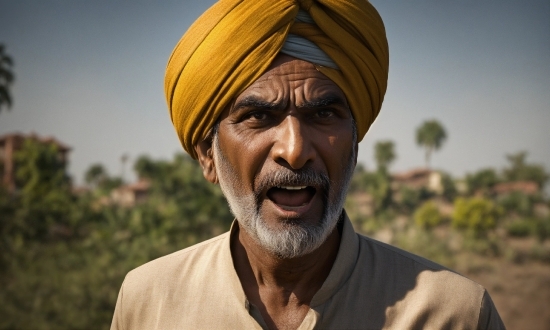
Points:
[520,290]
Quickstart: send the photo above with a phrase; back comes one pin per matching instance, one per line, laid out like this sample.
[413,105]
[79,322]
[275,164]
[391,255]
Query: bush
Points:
[517,202]
[64,257]
[520,228]
[428,215]
[477,215]
[542,228]
[410,199]
[449,187]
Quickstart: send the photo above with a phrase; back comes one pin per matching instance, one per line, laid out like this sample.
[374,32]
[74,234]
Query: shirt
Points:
[371,285]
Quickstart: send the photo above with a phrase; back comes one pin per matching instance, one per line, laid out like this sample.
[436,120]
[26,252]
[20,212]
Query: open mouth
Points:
[291,196]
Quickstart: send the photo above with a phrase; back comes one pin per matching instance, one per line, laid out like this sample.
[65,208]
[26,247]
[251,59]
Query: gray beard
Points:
[295,238]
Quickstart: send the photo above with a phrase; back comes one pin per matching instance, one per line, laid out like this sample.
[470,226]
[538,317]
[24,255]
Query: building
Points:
[416,179]
[11,143]
[529,188]
[131,194]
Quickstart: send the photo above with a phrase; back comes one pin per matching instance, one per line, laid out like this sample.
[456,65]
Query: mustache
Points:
[288,177]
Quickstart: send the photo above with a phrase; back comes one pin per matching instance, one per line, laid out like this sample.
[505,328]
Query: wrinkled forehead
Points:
[294,80]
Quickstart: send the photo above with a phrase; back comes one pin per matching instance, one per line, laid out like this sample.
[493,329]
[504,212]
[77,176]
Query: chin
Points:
[288,238]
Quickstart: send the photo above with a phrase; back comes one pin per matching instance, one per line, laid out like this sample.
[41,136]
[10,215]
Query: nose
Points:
[292,148]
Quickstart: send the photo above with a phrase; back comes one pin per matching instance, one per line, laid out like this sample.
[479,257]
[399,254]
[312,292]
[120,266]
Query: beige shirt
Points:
[371,285]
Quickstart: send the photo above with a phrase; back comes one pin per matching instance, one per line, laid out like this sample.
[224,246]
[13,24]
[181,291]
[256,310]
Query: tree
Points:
[519,170]
[123,160]
[146,168]
[44,193]
[384,154]
[430,135]
[95,175]
[483,180]
[6,78]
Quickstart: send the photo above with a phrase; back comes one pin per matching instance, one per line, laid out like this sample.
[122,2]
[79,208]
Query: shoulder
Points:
[419,288]
[181,290]
[418,272]
[396,255]
[190,260]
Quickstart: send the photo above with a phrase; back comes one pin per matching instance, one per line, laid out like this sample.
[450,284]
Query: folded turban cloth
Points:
[233,43]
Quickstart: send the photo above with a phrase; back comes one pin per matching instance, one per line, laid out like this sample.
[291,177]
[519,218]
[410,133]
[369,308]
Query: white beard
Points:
[295,238]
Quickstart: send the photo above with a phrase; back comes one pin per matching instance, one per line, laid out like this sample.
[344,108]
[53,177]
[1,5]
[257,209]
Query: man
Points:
[272,98]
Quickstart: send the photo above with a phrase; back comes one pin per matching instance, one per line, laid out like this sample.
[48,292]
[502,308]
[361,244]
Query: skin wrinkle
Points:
[296,238]
[287,98]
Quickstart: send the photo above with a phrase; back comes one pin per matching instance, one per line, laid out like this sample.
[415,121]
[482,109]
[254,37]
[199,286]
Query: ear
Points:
[205,155]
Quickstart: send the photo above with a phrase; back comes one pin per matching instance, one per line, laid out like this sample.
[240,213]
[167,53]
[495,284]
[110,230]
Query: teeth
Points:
[292,187]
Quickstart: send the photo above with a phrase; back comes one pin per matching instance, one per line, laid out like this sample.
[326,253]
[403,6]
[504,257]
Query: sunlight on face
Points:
[295,238]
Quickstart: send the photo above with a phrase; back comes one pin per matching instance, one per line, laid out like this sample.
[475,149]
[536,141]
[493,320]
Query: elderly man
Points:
[272,97]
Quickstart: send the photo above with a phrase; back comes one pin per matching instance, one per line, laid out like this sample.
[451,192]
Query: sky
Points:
[91,73]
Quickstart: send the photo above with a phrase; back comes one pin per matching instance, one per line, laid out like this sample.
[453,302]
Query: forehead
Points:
[294,79]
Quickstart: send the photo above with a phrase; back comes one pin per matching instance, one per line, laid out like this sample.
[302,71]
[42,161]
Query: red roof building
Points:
[11,143]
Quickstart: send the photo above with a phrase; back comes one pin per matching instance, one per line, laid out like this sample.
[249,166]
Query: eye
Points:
[258,115]
[324,113]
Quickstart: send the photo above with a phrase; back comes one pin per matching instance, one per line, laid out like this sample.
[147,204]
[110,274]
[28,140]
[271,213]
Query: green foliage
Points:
[424,243]
[482,180]
[517,202]
[357,180]
[519,170]
[449,188]
[410,198]
[6,78]
[477,215]
[520,228]
[146,168]
[95,175]
[428,216]
[542,228]
[384,154]
[377,184]
[63,258]
[431,136]
[44,196]
[98,178]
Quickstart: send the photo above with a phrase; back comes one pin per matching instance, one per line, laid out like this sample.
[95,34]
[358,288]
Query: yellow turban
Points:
[233,43]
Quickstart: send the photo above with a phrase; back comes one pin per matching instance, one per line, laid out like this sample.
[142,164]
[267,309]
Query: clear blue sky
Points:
[91,73]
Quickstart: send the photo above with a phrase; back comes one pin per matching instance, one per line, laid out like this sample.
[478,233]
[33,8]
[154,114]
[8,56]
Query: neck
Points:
[284,279]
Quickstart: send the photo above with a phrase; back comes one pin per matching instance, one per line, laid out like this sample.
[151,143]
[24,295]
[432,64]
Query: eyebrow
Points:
[321,102]
[254,102]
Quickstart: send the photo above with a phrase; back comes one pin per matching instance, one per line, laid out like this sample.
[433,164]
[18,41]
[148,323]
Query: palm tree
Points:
[6,78]
[430,135]
[384,153]
[123,160]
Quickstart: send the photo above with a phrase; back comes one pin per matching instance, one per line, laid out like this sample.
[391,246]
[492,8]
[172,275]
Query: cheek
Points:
[246,152]
[337,152]
[333,141]
[339,140]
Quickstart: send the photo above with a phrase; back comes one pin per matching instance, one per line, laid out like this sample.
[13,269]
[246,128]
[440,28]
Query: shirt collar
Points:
[343,265]
[341,270]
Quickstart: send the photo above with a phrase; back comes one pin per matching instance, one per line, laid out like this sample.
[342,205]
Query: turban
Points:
[234,42]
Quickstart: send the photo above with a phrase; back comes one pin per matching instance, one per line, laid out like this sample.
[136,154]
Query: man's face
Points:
[284,153]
